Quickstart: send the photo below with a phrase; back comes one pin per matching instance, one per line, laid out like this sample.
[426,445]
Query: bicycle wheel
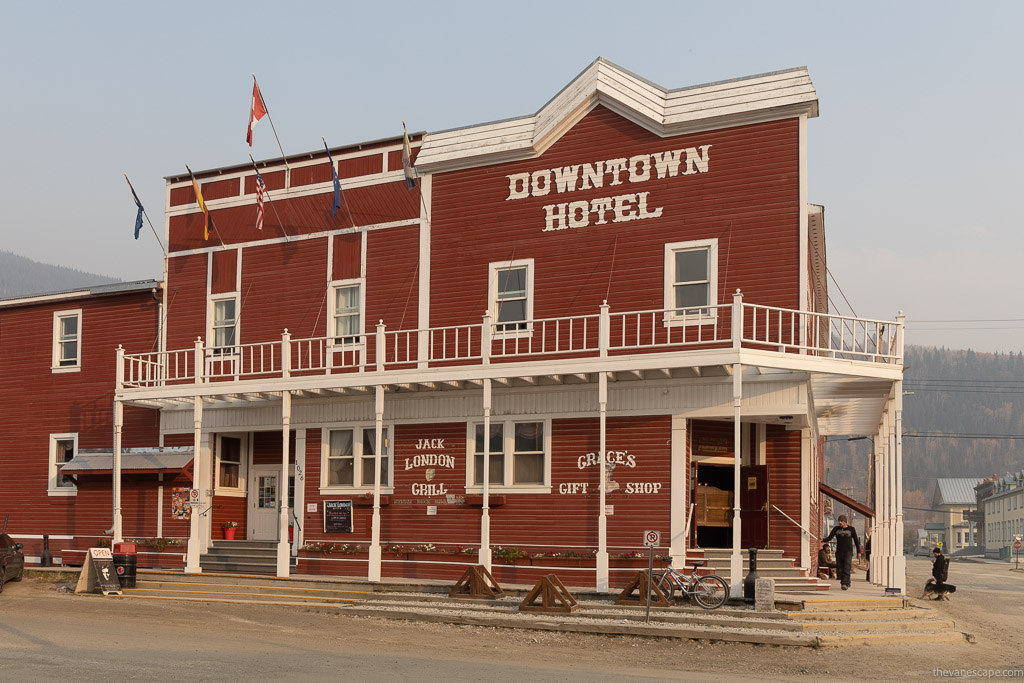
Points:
[710,592]
[667,586]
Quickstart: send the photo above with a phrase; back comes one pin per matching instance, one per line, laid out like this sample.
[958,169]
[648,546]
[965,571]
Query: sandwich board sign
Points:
[98,572]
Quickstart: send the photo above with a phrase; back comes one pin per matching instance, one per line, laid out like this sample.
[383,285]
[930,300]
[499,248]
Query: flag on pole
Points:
[410,172]
[256,111]
[259,200]
[337,183]
[202,204]
[138,217]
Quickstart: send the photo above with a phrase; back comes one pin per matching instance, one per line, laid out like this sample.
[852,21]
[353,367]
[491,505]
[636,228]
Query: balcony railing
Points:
[597,335]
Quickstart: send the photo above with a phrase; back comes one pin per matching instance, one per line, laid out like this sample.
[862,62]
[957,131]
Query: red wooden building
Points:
[607,317]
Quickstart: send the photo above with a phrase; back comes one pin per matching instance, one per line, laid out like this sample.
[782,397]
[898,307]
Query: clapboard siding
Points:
[784,476]
[35,402]
[748,200]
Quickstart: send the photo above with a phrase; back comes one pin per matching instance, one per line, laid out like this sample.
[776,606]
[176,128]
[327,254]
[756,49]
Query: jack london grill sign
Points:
[617,208]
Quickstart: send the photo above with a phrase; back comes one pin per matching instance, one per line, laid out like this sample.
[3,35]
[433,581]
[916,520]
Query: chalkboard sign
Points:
[338,516]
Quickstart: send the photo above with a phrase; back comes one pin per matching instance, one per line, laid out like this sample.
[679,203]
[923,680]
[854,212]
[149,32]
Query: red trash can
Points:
[126,563]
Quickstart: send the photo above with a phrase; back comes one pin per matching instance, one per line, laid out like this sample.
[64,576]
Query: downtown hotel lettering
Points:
[614,208]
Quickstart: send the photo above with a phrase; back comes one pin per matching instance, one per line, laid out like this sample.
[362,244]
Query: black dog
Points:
[937,591]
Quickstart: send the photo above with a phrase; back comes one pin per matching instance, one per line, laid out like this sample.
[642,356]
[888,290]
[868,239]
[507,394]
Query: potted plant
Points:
[229,530]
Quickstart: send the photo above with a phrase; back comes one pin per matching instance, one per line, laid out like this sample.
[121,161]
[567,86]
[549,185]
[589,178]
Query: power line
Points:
[940,435]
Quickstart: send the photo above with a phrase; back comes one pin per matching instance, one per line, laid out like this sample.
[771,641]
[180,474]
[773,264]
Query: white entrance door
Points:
[264,495]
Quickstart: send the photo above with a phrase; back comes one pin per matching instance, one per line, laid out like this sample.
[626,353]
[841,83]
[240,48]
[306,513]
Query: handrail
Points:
[795,523]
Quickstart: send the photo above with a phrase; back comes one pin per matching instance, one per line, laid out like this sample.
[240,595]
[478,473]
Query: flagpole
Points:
[341,190]
[146,214]
[270,118]
[208,214]
[266,193]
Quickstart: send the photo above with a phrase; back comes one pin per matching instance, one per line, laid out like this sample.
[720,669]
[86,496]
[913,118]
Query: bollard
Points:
[752,577]
[46,559]
[764,595]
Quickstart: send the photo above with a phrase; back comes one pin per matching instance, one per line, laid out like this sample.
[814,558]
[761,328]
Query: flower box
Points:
[478,500]
[367,501]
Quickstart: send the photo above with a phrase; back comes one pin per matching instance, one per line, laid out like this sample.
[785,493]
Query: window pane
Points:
[341,443]
[511,311]
[339,472]
[497,473]
[65,452]
[691,296]
[224,312]
[68,353]
[512,282]
[528,469]
[228,475]
[367,471]
[224,336]
[69,327]
[691,265]
[529,436]
[497,438]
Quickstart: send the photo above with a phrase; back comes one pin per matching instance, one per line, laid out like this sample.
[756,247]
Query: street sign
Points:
[652,539]
[1016,545]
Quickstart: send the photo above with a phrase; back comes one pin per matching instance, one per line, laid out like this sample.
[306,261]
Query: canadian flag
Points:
[256,112]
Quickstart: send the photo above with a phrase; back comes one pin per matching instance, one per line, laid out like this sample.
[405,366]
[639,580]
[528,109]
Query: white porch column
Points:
[602,517]
[118,426]
[300,491]
[194,548]
[806,487]
[373,572]
[899,560]
[893,497]
[679,488]
[484,556]
[283,548]
[884,520]
[876,504]
[736,560]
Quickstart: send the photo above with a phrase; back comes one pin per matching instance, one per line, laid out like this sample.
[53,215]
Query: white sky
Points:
[916,154]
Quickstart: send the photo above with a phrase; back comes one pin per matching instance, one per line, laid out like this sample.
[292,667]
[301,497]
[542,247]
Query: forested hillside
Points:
[965,405]
[20,276]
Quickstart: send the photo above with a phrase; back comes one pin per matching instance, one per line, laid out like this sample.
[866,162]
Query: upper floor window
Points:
[346,312]
[349,456]
[67,337]
[224,323]
[519,454]
[510,286]
[62,449]
[691,280]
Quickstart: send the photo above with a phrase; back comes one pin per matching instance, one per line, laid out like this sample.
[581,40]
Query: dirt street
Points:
[45,634]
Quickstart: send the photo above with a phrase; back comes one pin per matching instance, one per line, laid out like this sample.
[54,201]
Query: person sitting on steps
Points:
[826,564]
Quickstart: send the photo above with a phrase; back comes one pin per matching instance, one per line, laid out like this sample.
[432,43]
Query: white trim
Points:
[357,457]
[405,222]
[492,295]
[423,295]
[669,281]
[52,489]
[211,302]
[508,436]
[805,294]
[55,366]
[244,458]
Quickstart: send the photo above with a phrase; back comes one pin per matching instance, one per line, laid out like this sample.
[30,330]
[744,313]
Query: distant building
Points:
[1004,515]
[955,498]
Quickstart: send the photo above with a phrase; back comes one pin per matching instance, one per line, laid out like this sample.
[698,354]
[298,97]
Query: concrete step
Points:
[268,545]
[238,567]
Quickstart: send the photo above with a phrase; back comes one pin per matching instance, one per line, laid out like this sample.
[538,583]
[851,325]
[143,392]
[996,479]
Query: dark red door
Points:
[754,506]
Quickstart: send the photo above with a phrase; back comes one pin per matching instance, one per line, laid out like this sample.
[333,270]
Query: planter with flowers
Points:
[229,529]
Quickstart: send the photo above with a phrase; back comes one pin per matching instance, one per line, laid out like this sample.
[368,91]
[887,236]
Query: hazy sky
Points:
[916,154]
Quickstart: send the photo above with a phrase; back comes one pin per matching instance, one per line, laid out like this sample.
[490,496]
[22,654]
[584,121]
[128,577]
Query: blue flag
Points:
[138,218]
[337,183]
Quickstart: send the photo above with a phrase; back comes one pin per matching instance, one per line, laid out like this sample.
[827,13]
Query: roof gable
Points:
[781,94]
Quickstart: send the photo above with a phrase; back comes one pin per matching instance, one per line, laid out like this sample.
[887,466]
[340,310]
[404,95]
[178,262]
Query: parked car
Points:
[12,560]
[922,551]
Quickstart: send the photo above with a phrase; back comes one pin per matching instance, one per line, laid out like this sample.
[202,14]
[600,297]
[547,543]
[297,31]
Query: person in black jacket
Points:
[846,541]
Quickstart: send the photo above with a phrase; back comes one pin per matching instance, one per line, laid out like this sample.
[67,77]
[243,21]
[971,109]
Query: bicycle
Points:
[709,591]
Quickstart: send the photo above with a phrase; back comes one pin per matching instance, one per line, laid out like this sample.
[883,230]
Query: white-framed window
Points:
[230,468]
[519,453]
[348,456]
[67,341]
[691,282]
[510,293]
[347,302]
[223,330]
[62,449]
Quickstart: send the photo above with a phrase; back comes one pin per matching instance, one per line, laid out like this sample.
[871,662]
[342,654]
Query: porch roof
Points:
[133,461]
